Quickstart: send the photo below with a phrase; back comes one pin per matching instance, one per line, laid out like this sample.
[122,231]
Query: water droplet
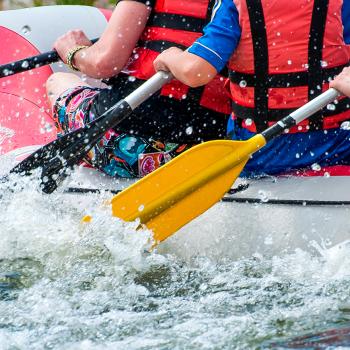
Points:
[242,84]
[26,30]
[315,167]
[289,62]
[248,122]
[324,64]
[141,208]
[7,72]
[345,125]
[263,196]
[131,78]
[268,240]
[331,107]
[25,64]
[189,130]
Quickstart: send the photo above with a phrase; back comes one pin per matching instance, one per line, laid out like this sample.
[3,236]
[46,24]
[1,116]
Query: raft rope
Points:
[231,199]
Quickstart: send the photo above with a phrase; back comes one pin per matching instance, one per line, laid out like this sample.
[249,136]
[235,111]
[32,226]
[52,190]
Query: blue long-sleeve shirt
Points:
[291,151]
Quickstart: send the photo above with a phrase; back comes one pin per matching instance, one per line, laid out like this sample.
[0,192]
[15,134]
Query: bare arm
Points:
[109,55]
[342,82]
[190,69]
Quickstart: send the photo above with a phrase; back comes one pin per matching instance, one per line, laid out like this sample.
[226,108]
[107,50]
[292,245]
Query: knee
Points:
[55,79]
[58,82]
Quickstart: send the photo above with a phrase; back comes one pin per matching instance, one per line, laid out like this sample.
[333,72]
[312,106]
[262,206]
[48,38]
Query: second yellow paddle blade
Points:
[182,189]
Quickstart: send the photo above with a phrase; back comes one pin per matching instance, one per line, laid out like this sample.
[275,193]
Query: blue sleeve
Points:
[345,14]
[221,35]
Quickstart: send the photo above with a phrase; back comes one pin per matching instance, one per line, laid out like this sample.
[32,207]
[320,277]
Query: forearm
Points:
[109,55]
[190,69]
[97,61]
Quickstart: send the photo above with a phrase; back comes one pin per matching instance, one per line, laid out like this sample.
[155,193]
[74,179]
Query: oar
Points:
[29,63]
[191,183]
[59,155]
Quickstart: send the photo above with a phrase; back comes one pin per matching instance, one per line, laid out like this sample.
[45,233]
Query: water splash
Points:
[66,285]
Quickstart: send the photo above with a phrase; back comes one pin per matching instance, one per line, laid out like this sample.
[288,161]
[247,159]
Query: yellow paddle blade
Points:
[188,185]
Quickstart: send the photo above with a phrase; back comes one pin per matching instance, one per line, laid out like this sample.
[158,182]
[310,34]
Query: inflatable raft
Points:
[307,210]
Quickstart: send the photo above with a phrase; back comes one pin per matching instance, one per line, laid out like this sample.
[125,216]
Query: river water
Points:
[64,285]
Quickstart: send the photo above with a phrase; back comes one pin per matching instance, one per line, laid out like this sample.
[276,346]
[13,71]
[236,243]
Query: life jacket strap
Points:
[286,80]
[277,114]
[261,62]
[176,21]
[317,30]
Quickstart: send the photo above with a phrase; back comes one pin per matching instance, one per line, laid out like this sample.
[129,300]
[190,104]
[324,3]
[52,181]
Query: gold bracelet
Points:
[70,56]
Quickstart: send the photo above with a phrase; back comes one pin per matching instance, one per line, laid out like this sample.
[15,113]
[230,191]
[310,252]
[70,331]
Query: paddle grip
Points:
[301,114]
[29,63]
[148,88]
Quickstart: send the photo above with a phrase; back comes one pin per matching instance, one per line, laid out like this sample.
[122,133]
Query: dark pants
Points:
[163,118]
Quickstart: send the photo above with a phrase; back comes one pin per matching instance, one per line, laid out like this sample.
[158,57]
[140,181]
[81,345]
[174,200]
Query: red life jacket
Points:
[178,23]
[288,52]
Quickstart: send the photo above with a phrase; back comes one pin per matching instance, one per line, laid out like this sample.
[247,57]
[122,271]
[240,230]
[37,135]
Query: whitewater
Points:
[68,285]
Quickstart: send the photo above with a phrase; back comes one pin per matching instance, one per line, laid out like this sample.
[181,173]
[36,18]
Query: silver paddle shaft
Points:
[300,114]
[148,88]
[315,105]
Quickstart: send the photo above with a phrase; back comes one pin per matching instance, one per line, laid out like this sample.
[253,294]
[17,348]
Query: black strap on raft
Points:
[314,77]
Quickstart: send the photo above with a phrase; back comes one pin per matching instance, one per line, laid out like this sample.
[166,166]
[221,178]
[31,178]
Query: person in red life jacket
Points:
[280,55]
[164,124]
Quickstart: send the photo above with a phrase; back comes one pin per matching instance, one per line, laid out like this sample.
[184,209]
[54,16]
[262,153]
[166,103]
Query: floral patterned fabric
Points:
[116,154]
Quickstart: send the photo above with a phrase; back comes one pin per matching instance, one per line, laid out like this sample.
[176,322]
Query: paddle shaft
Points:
[301,114]
[29,63]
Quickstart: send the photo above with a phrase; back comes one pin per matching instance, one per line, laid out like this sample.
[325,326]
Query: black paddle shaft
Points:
[61,154]
[29,63]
